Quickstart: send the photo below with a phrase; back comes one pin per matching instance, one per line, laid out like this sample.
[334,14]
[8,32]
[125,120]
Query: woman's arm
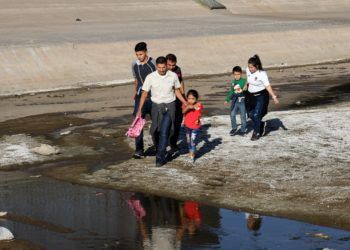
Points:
[274,97]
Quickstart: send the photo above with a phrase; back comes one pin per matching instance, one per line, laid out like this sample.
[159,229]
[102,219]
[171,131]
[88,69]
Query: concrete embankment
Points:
[47,52]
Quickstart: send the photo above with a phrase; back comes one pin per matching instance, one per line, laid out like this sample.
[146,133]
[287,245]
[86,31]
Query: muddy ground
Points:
[299,171]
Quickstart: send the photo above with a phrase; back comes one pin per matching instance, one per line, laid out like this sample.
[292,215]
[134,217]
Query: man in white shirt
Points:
[165,87]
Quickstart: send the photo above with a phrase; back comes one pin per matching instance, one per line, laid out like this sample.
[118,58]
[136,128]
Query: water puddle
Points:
[59,215]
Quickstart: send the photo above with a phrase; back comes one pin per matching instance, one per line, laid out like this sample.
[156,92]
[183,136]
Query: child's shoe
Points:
[191,157]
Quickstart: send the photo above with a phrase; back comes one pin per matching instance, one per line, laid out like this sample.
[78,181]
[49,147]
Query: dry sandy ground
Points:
[299,170]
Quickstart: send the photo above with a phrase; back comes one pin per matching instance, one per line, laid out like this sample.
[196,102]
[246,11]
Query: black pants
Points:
[177,123]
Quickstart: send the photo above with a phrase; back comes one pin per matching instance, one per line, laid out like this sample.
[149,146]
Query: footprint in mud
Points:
[215,181]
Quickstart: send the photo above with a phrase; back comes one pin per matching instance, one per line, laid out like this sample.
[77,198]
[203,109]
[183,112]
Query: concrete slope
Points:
[326,9]
[43,46]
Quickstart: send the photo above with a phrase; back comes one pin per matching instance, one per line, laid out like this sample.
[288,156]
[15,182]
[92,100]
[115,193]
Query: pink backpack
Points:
[136,127]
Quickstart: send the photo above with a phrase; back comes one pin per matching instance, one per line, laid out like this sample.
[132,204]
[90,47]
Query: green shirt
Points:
[240,82]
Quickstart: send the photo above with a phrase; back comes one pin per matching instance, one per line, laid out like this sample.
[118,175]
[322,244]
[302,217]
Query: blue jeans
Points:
[239,104]
[259,109]
[162,137]
[146,109]
[191,135]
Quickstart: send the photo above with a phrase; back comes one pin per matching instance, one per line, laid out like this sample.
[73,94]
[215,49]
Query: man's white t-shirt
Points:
[257,81]
[162,87]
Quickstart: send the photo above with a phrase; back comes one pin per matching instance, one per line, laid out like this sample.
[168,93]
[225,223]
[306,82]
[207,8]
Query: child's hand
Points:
[198,122]
[225,103]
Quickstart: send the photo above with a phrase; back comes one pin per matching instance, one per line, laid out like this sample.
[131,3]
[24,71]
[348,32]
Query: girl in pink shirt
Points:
[192,113]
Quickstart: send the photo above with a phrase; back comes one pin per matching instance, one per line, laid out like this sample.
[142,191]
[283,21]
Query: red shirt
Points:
[192,116]
[192,210]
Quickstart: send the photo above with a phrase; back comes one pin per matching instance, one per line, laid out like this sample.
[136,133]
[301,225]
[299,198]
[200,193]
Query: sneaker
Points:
[174,149]
[138,155]
[233,131]
[151,151]
[159,163]
[262,128]
[240,133]
[255,137]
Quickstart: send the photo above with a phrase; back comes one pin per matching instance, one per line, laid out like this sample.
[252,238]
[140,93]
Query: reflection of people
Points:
[165,87]
[253,222]
[143,66]
[160,223]
[191,216]
[259,89]
[171,63]
[163,221]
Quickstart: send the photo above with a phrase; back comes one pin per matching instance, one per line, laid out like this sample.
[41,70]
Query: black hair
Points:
[193,93]
[255,61]
[171,57]
[237,69]
[141,46]
[161,60]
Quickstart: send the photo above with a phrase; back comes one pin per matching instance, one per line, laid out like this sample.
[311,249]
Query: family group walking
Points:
[160,93]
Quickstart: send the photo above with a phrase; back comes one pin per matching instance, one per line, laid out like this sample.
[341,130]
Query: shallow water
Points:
[59,215]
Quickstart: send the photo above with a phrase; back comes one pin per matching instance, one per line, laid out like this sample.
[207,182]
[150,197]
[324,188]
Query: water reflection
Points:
[163,222]
[58,215]
[254,222]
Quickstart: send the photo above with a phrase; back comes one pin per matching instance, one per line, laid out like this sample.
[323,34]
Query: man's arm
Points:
[135,91]
[182,89]
[180,96]
[142,102]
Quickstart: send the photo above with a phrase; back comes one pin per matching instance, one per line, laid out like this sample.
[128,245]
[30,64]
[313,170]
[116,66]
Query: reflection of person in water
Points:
[191,217]
[159,224]
[163,221]
[253,222]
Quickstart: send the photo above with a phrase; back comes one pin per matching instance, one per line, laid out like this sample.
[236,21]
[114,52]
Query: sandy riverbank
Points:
[301,172]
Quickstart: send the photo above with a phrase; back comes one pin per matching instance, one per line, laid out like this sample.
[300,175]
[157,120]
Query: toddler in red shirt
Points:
[192,113]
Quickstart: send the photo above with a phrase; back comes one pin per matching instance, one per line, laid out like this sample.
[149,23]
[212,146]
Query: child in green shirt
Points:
[237,98]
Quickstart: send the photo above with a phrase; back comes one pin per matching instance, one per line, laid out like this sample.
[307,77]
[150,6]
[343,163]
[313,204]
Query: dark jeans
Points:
[146,109]
[260,102]
[161,137]
[177,123]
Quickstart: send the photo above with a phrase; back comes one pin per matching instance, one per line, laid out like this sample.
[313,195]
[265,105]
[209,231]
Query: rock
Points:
[3,213]
[35,176]
[45,149]
[298,103]
[66,132]
[320,235]
[5,234]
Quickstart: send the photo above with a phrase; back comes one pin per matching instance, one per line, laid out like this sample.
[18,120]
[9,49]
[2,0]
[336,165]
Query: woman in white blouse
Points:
[259,89]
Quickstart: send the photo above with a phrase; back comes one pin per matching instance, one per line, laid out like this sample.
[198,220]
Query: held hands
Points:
[138,114]
[225,103]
